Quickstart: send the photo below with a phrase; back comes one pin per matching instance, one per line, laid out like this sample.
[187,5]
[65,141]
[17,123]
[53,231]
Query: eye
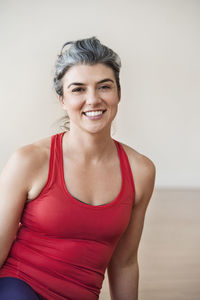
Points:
[77,90]
[105,87]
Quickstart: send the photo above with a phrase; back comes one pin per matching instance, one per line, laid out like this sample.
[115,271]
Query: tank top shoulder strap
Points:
[55,159]
[126,168]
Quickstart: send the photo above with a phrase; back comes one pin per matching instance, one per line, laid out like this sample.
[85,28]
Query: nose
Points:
[92,97]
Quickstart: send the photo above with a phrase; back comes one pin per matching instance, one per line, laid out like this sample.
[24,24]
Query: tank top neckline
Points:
[79,202]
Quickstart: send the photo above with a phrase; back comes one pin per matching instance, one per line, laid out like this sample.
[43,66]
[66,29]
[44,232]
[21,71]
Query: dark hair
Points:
[85,51]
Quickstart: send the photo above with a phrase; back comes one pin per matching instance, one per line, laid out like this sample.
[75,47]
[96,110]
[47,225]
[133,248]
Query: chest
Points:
[93,184]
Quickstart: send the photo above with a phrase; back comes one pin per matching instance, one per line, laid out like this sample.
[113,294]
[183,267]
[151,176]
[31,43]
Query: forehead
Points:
[84,73]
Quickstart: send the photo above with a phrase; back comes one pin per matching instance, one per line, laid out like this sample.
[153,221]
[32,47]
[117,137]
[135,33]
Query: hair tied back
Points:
[61,52]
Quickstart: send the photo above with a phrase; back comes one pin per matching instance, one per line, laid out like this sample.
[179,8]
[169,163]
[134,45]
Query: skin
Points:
[90,140]
[89,147]
[90,154]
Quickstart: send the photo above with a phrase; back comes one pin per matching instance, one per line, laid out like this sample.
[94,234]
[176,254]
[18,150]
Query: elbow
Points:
[132,261]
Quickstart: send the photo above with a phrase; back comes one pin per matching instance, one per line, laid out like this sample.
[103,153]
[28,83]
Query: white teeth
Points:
[93,113]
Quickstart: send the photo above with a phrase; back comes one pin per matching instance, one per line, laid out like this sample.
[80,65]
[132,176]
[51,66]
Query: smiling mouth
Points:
[94,113]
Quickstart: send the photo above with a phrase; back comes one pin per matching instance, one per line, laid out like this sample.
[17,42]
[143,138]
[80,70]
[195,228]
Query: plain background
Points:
[158,42]
[159,45]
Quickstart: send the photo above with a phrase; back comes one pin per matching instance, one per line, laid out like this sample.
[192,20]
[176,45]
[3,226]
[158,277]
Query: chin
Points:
[94,130]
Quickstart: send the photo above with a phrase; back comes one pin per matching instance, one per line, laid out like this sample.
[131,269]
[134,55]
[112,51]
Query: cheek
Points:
[74,103]
[110,97]
[114,101]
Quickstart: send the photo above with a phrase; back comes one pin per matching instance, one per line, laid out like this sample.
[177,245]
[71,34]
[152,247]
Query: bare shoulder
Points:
[35,152]
[142,163]
[28,159]
[144,172]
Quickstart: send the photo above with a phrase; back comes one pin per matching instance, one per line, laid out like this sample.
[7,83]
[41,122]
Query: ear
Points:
[60,98]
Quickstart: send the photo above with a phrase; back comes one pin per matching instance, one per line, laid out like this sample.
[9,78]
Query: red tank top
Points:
[63,246]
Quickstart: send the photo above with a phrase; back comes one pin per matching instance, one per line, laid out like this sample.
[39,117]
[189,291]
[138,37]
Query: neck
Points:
[88,147]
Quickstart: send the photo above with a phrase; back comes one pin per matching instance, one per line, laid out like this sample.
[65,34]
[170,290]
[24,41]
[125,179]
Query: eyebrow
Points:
[80,83]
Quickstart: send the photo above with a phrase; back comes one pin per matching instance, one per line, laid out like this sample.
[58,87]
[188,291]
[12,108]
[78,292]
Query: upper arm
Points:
[144,172]
[14,186]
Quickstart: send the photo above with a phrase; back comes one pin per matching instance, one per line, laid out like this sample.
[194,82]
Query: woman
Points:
[79,195]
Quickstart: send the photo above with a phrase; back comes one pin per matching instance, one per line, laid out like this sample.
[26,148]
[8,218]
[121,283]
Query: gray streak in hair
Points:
[85,51]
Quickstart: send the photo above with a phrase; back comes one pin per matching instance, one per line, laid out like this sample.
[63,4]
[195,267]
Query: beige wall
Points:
[158,42]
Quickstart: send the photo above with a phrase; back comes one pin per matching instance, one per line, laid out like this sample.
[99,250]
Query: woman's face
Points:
[90,97]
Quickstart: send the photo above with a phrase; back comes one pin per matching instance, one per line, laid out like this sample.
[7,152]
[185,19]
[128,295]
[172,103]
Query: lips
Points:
[103,110]
[94,114]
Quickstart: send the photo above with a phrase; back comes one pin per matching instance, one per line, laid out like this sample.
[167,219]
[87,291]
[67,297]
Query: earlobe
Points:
[62,103]
[60,98]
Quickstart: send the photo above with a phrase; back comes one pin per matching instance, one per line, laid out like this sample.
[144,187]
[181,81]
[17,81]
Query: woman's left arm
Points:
[123,270]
